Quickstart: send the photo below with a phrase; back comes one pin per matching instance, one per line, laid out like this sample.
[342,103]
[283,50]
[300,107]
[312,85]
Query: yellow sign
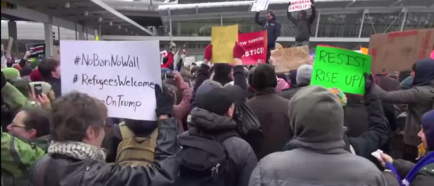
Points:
[223,40]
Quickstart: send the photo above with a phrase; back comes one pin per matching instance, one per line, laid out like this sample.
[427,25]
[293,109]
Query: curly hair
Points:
[73,113]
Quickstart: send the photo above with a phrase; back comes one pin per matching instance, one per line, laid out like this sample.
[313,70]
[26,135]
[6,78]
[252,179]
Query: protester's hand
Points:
[239,51]
[44,101]
[164,102]
[385,159]
[26,55]
[3,80]
[369,82]
[9,58]
[177,76]
[312,1]
[207,56]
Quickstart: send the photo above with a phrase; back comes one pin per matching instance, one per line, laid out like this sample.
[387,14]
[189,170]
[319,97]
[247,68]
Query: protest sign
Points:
[189,60]
[287,59]
[37,50]
[398,51]
[364,50]
[255,44]
[122,74]
[223,40]
[297,5]
[340,68]
[260,5]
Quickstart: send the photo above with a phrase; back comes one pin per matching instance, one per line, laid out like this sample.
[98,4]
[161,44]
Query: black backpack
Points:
[204,161]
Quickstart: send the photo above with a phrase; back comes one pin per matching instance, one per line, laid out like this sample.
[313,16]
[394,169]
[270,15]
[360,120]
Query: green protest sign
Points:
[340,68]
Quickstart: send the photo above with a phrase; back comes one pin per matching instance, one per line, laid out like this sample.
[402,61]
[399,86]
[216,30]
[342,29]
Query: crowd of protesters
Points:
[221,125]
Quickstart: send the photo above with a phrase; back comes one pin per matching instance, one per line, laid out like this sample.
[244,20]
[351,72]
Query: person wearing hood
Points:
[212,119]
[273,29]
[419,98]
[319,154]
[422,173]
[303,77]
[271,110]
[302,25]
[26,142]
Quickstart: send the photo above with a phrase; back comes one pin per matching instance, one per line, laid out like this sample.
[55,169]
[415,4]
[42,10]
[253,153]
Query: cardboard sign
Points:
[287,59]
[36,50]
[223,40]
[122,74]
[398,51]
[255,44]
[297,5]
[340,68]
[260,5]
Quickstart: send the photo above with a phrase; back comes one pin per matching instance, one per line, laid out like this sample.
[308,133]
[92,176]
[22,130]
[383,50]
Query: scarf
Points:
[77,150]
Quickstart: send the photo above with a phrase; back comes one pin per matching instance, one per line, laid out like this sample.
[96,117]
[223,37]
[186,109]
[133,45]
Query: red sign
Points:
[255,44]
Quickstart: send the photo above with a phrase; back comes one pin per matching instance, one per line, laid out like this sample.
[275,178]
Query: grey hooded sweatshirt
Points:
[319,158]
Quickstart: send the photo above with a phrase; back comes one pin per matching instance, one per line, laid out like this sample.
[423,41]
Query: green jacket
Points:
[14,99]
[17,156]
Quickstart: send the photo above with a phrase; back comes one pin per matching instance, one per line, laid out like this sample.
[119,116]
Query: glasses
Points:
[16,126]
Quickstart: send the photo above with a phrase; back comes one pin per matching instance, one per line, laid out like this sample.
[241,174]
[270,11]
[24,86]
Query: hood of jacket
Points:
[324,131]
[423,72]
[303,13]
[203,121]
[428,129]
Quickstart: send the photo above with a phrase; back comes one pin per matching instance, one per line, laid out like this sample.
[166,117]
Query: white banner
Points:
[297,5]
[260,5]
[122,74]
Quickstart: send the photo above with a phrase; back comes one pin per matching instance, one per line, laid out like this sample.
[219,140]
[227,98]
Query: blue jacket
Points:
[273,29]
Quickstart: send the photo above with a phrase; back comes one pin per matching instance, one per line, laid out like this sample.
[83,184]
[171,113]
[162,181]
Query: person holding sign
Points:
[302,25]
[273,29]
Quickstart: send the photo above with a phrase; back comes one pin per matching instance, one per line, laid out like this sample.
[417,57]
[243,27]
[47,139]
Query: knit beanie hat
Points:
[36,76]
[428,128]
[11,73]
[264,76]
[340,95]
[304,74]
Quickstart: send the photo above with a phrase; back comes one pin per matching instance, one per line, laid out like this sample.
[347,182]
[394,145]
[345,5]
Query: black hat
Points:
[219,100]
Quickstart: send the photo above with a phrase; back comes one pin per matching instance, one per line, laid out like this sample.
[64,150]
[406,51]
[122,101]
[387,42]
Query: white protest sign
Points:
[122,74]
[189,60]
[297,5]
[260,5]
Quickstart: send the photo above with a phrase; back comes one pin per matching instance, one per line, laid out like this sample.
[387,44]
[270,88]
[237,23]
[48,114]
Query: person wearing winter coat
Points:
[302,25]
[273,29]
[26,142]
[271,110]
[422,173]
[75,157]
[419,98]
[303,77]
[319,156]
[213,116]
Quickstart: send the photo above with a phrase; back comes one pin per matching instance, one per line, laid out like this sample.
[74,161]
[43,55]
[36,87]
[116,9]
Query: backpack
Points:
[135,151]
[204,160]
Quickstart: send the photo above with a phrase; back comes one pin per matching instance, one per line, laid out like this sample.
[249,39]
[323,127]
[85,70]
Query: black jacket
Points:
[59,170]
[302,25]
[273,29]
[289,93]
[55,85]
[240,153]
[378,131]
